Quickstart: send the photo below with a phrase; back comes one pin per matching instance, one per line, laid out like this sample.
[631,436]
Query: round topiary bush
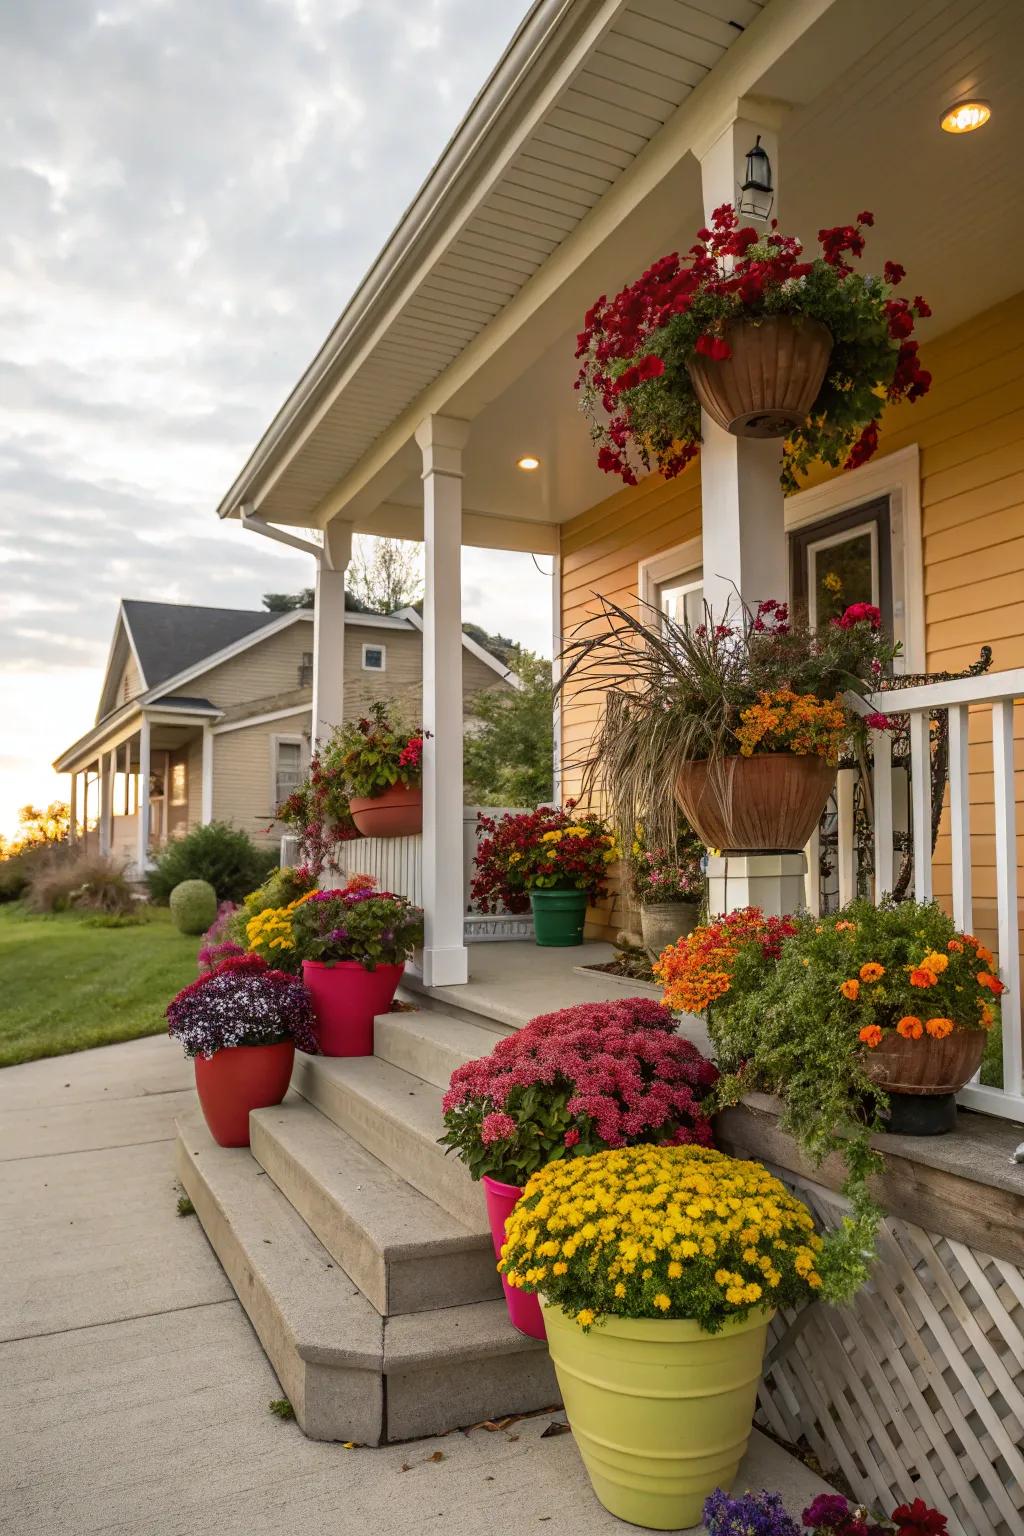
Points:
[193,906]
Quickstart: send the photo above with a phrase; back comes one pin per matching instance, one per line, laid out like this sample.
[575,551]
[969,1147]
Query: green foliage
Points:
[281,1408]
[184,1206]
[217,853]
[508,754]
[136,919]
[385,573]
[365,757]
[281,887]
[371,927]
[193,906]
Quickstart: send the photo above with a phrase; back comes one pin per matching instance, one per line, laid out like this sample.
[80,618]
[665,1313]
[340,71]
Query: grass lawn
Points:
[65,986]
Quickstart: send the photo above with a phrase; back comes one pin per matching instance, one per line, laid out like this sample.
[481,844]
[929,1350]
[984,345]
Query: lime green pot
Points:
[660,1410]
[558,917]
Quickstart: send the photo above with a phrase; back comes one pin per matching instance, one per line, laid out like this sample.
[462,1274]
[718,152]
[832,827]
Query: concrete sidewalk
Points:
[135,1392]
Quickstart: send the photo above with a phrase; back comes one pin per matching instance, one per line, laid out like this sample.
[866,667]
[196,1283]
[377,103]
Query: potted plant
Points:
[263,923]
[553,859]
[867,1020]
[570,1083]
[830,1514]
[240,1023]
[659,1269]
[737,721]
[770,345]
[381,765]
[353,945]
[668,886]
[318,813]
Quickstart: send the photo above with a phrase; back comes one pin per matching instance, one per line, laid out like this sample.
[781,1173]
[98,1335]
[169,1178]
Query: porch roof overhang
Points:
[123,723]
[576,166]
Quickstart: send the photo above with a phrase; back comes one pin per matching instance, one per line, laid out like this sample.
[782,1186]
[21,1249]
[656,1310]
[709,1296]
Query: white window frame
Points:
[653,572]
[373,645]
[277,741]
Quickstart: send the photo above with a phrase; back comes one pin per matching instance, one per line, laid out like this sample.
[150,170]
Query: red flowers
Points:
[893,272]
[649,367]
[859,613]
[713,347]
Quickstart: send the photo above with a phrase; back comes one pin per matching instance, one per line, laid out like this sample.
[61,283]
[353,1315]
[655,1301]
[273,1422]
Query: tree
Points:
[288,602]
[38,828]
[507,758]
[385,573]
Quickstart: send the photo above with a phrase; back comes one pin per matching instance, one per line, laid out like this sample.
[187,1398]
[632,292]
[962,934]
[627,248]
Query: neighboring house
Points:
[205,715]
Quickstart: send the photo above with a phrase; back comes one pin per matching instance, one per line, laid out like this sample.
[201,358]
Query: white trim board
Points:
[650,573]
[296,710]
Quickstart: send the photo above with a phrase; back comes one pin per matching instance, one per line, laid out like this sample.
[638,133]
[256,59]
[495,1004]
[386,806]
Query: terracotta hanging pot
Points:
[768,803]
[772,378]
[395,812]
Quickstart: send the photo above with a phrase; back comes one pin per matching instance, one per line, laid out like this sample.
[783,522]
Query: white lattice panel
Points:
[915,1388]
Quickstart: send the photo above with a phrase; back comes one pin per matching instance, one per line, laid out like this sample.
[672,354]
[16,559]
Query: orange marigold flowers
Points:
[910,1027]
[994,985]
[987,1017]
[939,1028]
[850,988]
[871,1036]
[872,971]
[784,721]
[846,927]
[935,963]
[920,976]
[956,947]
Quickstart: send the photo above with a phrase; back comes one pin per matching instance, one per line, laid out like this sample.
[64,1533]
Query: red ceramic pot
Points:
[346,999]
[395,812]
[240,1078]
[523,1306]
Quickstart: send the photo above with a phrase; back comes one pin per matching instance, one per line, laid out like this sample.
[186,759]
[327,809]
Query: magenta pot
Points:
[346,998]
[523,1306]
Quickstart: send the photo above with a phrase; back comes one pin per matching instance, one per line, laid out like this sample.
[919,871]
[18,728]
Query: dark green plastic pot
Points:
[558,917]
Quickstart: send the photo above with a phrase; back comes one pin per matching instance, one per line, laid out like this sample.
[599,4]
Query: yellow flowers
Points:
[271,929]
[682,1232]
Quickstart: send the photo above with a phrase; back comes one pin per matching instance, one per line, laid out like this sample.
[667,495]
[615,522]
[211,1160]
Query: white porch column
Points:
[73,808]
[445,958]
[106,789]
[142,829]
[329,631]
[206,806]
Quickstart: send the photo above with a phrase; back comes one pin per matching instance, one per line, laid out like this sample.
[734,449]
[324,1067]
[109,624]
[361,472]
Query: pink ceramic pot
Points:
[523,1307]
[346,997]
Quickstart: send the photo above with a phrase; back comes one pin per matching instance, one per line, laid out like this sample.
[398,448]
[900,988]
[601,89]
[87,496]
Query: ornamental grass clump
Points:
[670,1232]
[574,1082]
[242,1002]
[556,848]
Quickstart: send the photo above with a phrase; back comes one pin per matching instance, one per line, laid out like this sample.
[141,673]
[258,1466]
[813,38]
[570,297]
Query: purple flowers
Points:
[755,1514]
[242,1002]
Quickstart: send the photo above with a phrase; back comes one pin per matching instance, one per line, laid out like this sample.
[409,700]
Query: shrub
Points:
[64,878]
[14,876]
[574,1082]
[242,1002]
[193,906]
[220,854]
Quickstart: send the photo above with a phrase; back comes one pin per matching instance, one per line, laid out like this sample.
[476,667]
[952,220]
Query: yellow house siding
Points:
[243,782]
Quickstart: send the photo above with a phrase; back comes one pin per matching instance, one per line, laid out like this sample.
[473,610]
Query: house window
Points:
[179,783]
[306,669]
[287,768]
[374,658]
[681,598]
[842,560]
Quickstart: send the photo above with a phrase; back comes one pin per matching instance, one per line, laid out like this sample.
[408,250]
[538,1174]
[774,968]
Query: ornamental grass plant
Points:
[242,1002]
[662,1232]
[573,1082]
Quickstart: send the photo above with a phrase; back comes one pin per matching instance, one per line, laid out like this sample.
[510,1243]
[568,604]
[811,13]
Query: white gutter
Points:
[257,524]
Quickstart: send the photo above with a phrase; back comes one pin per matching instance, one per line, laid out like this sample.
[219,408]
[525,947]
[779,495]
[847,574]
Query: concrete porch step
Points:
[404,1252]
[349,1373]
[432,1044]
[397,1118]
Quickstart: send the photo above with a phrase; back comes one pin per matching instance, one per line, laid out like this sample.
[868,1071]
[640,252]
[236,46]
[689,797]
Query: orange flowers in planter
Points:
[850,989]
[802,723]
[698,969]
[910,1027]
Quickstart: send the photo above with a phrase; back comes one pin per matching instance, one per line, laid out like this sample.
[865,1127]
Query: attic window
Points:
[374,658]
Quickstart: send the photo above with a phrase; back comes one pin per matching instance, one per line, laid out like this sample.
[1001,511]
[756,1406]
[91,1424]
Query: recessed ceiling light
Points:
[528,462]
[965,116]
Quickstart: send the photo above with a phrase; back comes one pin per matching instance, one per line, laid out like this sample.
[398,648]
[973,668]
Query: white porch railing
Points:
[979,709]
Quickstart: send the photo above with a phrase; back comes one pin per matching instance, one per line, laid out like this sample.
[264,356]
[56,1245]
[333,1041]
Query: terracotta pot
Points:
[240,1078]
[346,999]
[523,1306]
[395,812]
[768,803]
[768,385]
[925,1067]
[663,922]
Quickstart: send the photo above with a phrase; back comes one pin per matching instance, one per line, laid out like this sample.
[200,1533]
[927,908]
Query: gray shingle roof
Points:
[168,637]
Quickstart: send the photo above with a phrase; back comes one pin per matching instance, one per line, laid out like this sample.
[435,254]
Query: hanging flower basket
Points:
[395,812]
[769,802]
[771,378]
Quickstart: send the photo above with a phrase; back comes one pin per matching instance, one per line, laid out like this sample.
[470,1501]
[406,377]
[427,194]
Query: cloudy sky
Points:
[190,191]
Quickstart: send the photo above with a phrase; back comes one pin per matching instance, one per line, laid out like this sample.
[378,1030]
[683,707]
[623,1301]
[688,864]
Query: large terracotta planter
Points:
[771,380]
[346,998]
[767,803]
[923,1077]
[523,1306]
[395,812]
[237,1079]
[663,923]
[660,1410]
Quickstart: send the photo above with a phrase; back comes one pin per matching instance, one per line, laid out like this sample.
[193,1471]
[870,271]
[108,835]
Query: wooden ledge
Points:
[964,1186]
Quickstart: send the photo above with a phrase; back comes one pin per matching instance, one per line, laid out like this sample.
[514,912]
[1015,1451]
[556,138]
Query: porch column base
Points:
[445,967]
[772,881]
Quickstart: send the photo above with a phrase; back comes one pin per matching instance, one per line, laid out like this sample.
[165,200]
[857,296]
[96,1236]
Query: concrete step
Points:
[397,1118]
[349,1373]
[431,1044]
[404,1252]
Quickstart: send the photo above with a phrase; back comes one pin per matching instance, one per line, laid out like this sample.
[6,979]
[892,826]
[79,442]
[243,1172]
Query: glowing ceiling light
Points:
[528,462]
[965,116]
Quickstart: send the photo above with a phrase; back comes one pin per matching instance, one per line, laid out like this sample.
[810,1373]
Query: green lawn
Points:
[65,986]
